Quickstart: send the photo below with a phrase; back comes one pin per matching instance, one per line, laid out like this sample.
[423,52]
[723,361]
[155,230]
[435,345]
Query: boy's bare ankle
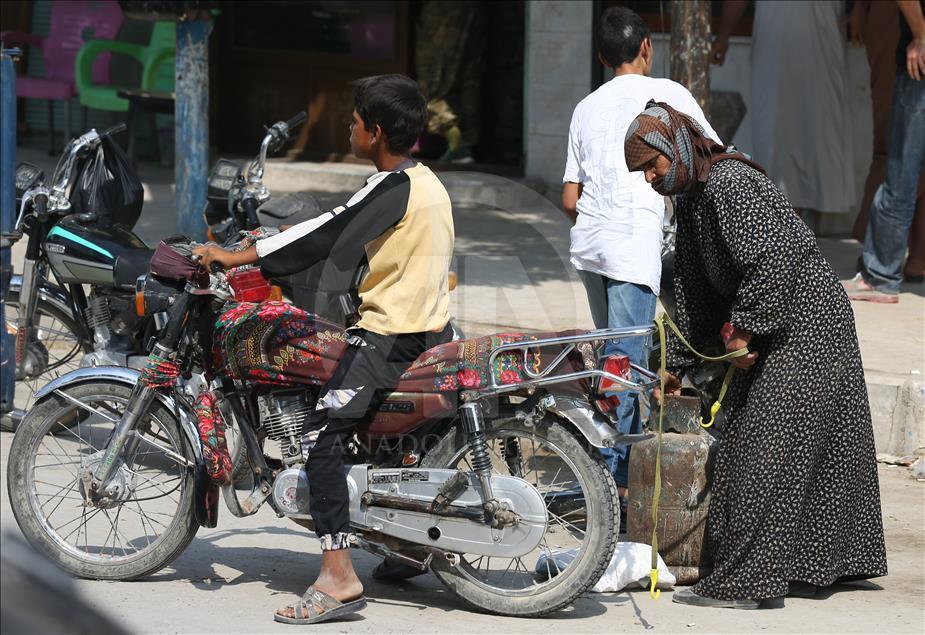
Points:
[344,587]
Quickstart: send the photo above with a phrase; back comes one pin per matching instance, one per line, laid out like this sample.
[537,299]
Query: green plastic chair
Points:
[156,59]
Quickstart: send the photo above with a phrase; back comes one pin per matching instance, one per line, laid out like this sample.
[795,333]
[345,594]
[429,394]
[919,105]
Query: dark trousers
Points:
[367,373]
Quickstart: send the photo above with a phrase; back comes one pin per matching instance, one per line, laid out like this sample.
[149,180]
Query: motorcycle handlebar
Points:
[296,121]
[249,206]
[114,130]
[40,203]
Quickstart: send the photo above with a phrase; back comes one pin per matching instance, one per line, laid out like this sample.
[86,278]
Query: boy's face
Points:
[361,139]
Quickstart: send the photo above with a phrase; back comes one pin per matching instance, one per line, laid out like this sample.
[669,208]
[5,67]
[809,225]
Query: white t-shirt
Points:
[618,233]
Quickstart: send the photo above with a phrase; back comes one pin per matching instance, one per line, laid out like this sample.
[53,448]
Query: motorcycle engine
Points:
[282,414]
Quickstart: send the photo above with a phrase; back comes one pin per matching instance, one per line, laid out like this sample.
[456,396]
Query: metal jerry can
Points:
[688,452]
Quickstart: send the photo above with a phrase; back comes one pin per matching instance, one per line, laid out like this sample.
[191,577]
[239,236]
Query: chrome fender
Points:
[598,430]
[48,292]
[129,377]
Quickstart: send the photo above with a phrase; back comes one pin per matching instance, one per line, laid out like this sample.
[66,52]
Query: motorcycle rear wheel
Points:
[580,489]
[130,539]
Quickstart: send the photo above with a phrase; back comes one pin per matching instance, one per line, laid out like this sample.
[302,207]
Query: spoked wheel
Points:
[147,519]
[582,510]
[55,349]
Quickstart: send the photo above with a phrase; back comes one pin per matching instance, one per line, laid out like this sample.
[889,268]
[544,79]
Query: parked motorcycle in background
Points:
[78,229]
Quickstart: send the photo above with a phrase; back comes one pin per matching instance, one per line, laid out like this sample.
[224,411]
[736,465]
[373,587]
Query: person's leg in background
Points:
[914,270]
[596,288]
[881,34]
[628,304]
[894,203]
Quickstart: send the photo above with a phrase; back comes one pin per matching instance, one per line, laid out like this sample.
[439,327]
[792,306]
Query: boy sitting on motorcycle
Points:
[402,223]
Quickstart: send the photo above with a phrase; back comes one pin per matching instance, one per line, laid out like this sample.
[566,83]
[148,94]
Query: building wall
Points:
[557,75]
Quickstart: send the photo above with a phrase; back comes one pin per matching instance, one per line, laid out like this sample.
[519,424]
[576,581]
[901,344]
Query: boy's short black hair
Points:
[395,103]
[620,33]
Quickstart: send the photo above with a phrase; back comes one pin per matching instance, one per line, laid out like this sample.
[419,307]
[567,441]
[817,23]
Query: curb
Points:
[898,415]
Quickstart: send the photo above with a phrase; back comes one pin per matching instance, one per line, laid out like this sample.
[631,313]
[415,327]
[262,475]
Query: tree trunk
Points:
[690,48]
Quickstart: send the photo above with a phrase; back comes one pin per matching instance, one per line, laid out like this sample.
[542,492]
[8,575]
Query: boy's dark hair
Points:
[620,33]
[395,103]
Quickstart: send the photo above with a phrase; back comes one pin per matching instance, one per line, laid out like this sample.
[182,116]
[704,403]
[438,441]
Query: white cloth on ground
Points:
[629,567]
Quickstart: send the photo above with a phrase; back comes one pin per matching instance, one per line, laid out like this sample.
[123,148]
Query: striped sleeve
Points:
[339,235]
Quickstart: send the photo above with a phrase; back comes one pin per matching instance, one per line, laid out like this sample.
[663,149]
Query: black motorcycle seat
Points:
[294,207]
[129,265]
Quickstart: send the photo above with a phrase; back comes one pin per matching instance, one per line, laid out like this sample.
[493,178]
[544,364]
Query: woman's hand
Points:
[213,253]
[672,386]
[736,339]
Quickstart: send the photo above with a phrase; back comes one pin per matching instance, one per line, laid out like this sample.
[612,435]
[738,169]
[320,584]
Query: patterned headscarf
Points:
[660,129]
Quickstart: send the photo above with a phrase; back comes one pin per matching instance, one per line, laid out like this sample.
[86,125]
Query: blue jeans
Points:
[894,203]
[614,304]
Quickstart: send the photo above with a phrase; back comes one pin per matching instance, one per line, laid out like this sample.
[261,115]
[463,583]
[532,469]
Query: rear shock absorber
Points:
[474,422]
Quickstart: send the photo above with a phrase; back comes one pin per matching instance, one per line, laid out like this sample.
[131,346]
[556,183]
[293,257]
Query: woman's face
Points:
[656,170]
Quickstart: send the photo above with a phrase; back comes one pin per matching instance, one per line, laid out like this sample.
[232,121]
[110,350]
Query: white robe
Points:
[800,116]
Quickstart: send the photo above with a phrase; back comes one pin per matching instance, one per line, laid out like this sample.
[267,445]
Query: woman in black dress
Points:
[795,499]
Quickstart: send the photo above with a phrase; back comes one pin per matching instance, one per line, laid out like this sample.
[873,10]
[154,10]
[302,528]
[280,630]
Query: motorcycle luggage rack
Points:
[545,377]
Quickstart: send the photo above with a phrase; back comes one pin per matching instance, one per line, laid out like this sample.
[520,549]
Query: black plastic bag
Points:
[109,187]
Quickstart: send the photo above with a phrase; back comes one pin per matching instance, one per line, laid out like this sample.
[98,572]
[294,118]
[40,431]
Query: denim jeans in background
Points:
[894,203]
[616,304]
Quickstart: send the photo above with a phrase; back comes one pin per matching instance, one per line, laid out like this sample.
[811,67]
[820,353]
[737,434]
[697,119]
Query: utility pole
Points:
[690,48]
[191,108]
[7,213]
[192,122]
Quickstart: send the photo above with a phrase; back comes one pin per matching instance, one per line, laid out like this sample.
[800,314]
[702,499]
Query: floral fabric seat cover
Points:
[278,343]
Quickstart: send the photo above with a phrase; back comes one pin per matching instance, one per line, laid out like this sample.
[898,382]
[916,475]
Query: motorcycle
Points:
[58,326]
[482,464]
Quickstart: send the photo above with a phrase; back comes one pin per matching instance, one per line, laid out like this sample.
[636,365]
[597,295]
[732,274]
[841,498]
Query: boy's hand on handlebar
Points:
[672,386]
[209,254]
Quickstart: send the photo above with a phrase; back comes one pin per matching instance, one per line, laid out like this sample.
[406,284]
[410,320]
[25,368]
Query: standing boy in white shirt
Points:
[617,216]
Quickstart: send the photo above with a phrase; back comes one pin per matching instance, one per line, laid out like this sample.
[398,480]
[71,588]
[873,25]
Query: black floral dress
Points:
[795,490]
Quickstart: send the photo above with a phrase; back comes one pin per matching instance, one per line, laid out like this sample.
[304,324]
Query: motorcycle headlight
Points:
[153,296]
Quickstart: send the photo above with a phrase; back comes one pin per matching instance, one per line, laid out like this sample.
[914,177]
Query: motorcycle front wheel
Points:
[583,515]
[141,530]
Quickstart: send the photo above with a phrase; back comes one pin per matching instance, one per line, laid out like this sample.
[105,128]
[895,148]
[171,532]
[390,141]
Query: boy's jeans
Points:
[894,203]
[615,304]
